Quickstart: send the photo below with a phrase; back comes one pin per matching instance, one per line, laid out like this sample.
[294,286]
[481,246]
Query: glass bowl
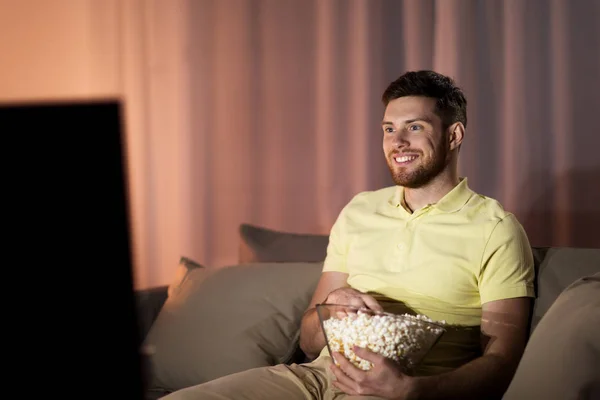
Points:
[403,338]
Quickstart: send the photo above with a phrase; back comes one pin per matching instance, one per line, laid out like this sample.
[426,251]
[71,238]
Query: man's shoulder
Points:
[490,214]
[487,207]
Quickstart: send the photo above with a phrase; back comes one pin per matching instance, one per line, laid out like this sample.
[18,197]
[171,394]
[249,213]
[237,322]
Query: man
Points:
[428,243]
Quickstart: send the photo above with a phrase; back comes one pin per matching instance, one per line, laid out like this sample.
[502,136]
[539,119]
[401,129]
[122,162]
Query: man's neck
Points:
[431,193]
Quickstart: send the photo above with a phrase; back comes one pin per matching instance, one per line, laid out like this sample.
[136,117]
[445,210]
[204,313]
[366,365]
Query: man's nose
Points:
[400,138]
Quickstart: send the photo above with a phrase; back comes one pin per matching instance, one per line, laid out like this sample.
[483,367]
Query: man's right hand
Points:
[352,297]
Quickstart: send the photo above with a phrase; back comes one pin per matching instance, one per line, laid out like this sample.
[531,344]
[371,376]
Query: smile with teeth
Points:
[404,159]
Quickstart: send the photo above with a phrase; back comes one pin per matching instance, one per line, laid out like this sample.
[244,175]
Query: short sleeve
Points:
[507,268]
[337,248]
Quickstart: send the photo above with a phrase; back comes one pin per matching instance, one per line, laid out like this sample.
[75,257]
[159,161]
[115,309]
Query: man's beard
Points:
[423,174]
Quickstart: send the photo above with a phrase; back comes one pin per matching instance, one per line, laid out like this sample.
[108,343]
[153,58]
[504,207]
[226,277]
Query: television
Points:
[69,233]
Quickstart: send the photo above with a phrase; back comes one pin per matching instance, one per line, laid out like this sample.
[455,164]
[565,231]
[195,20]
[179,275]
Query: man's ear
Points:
[456,133]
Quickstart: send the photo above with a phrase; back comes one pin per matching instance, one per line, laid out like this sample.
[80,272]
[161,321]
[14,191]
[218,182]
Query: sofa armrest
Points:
[149,302]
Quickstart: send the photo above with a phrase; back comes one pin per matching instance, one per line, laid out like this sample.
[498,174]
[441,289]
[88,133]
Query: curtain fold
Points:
[268,112]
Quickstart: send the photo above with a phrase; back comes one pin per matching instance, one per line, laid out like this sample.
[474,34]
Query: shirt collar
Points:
[453,201]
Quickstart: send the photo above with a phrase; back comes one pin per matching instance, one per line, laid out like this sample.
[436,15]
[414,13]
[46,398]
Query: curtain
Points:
[268,112]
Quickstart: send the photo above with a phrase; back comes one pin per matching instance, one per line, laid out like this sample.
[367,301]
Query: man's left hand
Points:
[385,379]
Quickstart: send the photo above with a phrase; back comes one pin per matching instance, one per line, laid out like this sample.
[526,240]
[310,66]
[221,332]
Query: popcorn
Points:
[398,337]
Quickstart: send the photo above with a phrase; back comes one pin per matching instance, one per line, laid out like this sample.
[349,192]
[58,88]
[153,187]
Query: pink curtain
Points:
[268,112]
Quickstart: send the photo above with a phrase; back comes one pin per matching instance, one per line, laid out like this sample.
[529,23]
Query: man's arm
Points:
[312,340]
[504,327]
[506,289]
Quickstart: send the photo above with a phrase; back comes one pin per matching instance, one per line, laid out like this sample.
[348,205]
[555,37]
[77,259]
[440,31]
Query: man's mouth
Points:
[406,159]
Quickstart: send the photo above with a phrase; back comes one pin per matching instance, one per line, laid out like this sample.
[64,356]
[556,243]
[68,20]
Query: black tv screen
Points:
[67,220]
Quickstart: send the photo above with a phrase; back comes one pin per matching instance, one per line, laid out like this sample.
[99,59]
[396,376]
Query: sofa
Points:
[210,322]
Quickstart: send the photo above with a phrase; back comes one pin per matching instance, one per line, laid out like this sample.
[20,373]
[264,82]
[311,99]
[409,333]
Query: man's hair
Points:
[451,104]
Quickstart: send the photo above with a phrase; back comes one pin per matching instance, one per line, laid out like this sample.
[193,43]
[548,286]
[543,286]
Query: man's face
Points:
[414,145]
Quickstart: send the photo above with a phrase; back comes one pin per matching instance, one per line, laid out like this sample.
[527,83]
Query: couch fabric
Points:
[557,268]
[217,321]
[562,359]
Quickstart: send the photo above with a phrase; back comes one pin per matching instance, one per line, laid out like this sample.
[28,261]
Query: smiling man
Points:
[428,243]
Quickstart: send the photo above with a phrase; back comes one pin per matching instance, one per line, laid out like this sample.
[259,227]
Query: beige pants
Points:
[281,382]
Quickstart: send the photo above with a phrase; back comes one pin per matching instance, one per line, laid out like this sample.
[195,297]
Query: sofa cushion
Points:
[185,266]
[149,301]
[260,244]
[219,321]
[562,358]
[557,268]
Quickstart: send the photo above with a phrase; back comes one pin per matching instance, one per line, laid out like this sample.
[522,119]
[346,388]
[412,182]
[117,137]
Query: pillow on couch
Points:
[557,268]
[260,244]
[562,358]
[219,321]
[185,266]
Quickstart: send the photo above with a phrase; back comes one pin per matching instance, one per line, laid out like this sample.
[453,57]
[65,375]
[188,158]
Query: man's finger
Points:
[339,311]
[343,381]
[356,302]
[371,303]
[348,368]
[345,388]
[368,355]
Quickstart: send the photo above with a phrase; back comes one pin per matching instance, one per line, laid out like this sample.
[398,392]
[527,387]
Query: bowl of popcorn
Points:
[404,338]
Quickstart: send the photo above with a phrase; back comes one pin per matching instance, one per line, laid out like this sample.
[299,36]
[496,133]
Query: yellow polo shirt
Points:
[444,260]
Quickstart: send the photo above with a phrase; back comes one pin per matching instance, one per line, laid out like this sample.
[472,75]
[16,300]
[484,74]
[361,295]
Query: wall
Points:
[133,50]
[51,49]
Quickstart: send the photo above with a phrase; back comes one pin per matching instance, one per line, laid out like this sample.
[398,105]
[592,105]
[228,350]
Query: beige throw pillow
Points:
[219,321]
[185,266]
[562,358]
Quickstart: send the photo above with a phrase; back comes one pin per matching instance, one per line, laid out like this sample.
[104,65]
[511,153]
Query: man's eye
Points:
[388,129]
[415,127]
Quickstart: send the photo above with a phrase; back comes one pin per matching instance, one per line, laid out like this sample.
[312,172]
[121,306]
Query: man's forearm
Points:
[312,340]
[486,377]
